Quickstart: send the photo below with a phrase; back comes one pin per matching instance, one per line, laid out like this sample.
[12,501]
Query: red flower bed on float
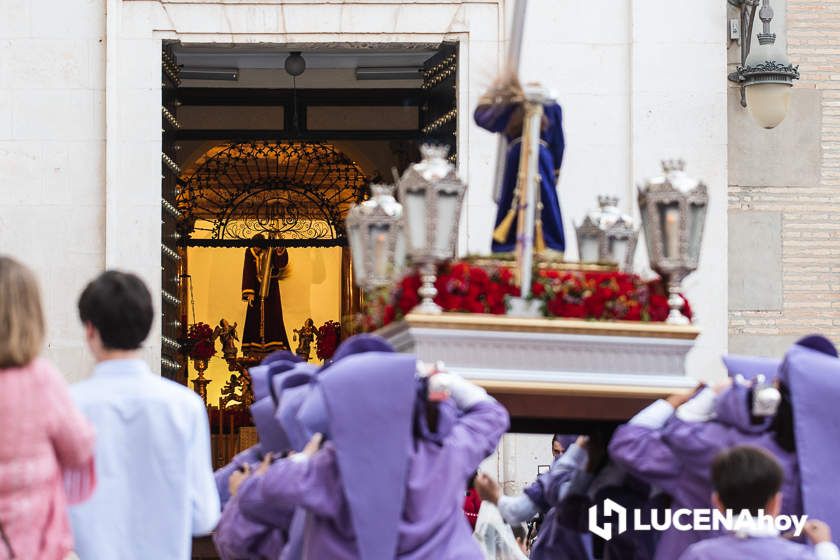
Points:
[464,287]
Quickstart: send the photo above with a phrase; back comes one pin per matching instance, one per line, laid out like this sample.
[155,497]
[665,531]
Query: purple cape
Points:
[370,402]
[312,413]
[751,366]
[274,364]
[358,344]
[270,432]
[272,437]
[813,378]
[259,381]
[292,390]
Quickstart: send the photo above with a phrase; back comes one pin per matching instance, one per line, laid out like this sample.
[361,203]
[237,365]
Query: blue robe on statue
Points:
[501,118]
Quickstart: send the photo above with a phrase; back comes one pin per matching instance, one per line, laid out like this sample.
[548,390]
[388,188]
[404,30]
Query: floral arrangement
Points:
[329,335]
[601,295]
[200,341]
[462,287]
[470,288]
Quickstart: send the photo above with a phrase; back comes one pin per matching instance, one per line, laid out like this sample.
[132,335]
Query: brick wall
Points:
[784,206]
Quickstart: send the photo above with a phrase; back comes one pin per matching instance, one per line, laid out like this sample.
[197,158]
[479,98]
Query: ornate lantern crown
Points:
[673,209]
[432,195]
[375,232]
[607,235]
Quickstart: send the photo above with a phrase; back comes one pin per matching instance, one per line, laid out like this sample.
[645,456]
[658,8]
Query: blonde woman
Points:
[43,438]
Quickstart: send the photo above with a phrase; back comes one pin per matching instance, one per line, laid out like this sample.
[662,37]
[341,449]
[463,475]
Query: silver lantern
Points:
[607,236]
[432,195]
[673,209]
[377,244]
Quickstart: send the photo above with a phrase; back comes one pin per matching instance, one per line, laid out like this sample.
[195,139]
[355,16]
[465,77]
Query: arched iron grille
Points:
[294,194]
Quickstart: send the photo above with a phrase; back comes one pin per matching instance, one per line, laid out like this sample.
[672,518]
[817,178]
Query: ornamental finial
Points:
[671,165]
[434,151]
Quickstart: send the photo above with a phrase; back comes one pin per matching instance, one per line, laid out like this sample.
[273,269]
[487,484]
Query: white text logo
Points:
[689,520]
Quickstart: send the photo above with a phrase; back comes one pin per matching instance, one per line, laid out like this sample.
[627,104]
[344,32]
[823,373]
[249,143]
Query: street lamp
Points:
[432,195]
[607,235]
[673,209]
[765,73]
[375,234]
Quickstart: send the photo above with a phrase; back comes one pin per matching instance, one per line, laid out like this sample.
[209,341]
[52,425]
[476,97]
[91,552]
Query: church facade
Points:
[81,140]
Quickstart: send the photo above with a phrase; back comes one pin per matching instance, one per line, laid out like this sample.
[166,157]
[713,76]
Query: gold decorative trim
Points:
[482,322]
[543,262]
[266,346]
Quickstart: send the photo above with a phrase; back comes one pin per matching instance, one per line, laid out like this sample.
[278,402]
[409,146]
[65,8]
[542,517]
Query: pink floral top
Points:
[42,437]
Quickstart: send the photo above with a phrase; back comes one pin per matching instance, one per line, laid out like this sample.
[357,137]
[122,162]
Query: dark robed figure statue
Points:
[264,328]
[501,110]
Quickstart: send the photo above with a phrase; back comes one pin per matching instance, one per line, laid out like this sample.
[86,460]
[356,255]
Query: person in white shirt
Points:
[155,479]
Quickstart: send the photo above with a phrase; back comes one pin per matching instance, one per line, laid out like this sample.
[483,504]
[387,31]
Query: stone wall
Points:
[784,239]
[52,147]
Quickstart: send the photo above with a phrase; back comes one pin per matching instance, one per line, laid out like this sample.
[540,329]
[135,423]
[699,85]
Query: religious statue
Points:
[226,332]
[264,330]
[501,110]
[306,334]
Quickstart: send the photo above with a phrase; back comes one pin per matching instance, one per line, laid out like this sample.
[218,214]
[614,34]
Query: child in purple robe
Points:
[387,482]
[257,535]
[672,443]
[748,478]
[545,495]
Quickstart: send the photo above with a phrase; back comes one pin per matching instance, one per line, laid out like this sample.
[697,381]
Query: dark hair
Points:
[471,480]
[119,306]
[519,531]
[746,478]
[782,425]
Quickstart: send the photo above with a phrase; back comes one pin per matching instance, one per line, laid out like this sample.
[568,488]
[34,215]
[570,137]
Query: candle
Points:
[380,263]
[672,232]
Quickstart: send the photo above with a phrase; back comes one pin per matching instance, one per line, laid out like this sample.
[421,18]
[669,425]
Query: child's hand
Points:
[488,488]
[313,446]
[264,464]
[237,477]
[817,531]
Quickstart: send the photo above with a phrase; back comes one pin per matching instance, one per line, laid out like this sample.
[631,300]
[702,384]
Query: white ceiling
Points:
[273,57]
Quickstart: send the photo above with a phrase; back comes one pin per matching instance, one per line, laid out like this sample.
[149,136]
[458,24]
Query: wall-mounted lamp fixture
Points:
[765,73]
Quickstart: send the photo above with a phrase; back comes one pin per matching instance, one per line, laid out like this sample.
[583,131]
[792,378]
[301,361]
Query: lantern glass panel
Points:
[379,248]
[357,253]
[415,208]
[447,221]
[618,250]
[669,225]
[697,217]
[399,251]
[648,233]
[589,249]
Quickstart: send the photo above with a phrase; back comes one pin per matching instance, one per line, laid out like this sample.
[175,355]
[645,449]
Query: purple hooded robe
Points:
[408,494]
[262,533]
[676,456]
[811,371]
